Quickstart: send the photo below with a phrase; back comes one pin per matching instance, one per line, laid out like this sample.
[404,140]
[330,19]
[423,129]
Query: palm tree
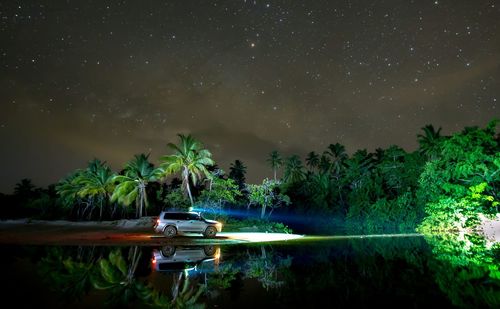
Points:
[132,185]
[429,141]
[237,172]
[312,160]
[96,182]
[67,190]
[359,166]
[190,159]
[275,161]
[324,163]
[25,188]
[338,156]
[293,169]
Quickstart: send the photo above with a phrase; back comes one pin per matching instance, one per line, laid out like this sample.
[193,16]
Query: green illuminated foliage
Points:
[463,182]
[190,159]
[467,269]
[223,192]
[131,187]
[87,189]
[267,195]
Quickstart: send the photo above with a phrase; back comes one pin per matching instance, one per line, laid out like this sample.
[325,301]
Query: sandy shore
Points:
[38,232]
[130,232]
[490,228]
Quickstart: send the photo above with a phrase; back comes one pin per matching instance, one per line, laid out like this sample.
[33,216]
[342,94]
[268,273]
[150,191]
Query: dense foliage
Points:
[448,183]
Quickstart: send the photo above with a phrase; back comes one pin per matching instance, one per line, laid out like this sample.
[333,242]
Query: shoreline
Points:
[132,231]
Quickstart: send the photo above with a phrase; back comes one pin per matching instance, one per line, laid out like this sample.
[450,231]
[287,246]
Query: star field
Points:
[109,79]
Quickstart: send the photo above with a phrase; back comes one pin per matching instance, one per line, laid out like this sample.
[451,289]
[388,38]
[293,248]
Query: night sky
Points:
[110,79]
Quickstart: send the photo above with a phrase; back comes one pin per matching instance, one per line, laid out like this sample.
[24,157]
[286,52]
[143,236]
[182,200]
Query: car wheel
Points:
[167,251]
[210,232]
[170,231]
[209,250]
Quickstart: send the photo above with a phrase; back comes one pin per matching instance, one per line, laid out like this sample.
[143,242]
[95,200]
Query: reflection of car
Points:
[179,258]
[171,223]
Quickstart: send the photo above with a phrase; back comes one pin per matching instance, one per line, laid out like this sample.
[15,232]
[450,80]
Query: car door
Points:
[181,221]
[195,223]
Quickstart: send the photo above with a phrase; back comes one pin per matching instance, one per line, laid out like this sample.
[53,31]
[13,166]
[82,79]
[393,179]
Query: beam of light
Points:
[260,237]
[227,212]
[254,213]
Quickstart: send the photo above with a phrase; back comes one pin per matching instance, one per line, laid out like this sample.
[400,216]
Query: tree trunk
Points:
[141,201]
[146,203]
[100,206]
[186,179]
[263,211]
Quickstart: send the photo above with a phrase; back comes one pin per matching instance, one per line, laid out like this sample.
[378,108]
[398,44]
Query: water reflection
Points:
[353,273]
[467,269]
[185,258]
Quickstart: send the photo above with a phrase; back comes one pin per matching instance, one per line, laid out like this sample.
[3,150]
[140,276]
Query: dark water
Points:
[407,272]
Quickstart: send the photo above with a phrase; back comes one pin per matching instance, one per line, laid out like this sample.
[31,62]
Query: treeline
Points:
[449,182]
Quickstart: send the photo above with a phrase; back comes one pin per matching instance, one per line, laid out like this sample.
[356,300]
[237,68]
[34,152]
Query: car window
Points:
[174,216]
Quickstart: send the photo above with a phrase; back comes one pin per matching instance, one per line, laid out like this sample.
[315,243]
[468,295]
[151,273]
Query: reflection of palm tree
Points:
[275,161]
[132,186]
[187,296]
[190,159]
[71,277]
[117,277]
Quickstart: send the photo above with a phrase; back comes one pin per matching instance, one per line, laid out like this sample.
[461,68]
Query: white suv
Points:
[172,223]
[179,258]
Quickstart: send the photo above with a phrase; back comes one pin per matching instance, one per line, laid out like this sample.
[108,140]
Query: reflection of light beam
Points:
[268,237]
[261,237]
[331,237]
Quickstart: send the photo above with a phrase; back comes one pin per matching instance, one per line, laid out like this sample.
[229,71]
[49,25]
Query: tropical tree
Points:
[463,183]
[224,191]
[312,160]
[215,172]
[338,156]
[25,188]
[429,142]
[95,183]
[190,159]
[131,187]
[293,169]
[275,161]
[267,195]
[237,172]
[67,191]
[324,163]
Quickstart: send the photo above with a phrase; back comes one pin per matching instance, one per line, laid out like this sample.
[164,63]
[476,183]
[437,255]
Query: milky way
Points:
[109,79]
